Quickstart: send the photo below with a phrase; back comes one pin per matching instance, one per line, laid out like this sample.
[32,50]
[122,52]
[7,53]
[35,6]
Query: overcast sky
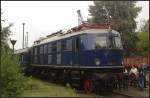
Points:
[45,17]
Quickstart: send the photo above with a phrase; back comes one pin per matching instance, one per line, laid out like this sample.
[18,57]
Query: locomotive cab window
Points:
[87,42]
[100,42]
[111,41]
[114,42]
[118,42]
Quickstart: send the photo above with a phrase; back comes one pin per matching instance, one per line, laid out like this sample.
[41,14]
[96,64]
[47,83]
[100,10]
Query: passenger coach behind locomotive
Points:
[24,57]
[90,48]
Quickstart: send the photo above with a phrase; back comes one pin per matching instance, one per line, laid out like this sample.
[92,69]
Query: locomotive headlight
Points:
[97,62]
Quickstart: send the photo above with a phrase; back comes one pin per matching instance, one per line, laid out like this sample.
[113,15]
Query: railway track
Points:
[121,94]
[115,93]
[112,94]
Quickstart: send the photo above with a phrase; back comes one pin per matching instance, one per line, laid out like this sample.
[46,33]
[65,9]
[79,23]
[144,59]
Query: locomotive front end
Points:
[102,49]
[109,50]
[104,53]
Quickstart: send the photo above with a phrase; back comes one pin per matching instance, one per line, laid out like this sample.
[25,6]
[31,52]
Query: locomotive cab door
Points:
[76,48]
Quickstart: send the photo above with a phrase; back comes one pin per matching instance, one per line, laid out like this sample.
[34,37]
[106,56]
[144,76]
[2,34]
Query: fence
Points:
[129,61]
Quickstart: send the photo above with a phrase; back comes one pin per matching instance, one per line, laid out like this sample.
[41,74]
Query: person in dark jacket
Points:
[125,78]
[119,80]
[141,77]
[144,73]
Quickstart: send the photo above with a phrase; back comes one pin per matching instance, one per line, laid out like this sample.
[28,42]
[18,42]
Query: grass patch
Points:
[39,88]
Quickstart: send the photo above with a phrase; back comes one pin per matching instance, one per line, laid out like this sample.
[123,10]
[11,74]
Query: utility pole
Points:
[27,39]
[25,44]
[23,35]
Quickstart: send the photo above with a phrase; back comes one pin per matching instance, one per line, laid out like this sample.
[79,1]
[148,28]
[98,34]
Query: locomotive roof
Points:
[61,36]
[22,50]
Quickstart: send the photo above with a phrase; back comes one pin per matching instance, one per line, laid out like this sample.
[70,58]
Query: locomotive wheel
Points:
[96,87]
[49,77]
[101,85]
[88,86]
[64,78]
[36,72]
[43,74]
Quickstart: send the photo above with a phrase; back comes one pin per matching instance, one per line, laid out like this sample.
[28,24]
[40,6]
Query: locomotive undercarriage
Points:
[89,80]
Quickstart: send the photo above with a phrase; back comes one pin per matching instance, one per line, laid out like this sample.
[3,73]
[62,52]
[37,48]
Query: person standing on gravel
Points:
[125,78]
[133,76]
[145,73]
[141,77]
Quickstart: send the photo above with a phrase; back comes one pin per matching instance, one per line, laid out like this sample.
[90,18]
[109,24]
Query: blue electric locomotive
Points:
[94,48]
[87,50]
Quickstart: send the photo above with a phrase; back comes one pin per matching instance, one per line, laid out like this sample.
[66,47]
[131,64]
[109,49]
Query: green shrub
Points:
[13,82]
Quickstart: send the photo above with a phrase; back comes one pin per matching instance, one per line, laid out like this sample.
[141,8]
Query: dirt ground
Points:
[135,92]
[50,89]
[130,92]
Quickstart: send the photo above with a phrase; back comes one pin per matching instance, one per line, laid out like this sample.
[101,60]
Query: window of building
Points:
[45,49]
[49,48]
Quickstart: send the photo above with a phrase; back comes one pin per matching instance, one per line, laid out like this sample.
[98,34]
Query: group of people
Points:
[134,76]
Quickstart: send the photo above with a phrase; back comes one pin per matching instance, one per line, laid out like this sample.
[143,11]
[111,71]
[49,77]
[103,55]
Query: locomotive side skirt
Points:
[100,69]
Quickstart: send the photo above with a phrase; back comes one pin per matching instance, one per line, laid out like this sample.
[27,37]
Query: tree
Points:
[12,80]
[143,44]
[5,32]
[123,14]
[145,27]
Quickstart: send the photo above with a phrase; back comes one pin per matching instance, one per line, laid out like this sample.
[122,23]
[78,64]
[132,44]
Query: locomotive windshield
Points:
[100,42]
[118,42]
[107,42]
